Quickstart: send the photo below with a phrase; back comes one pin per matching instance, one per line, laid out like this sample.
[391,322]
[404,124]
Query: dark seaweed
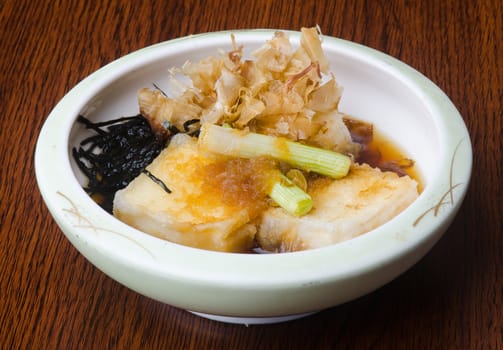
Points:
[156,180]
[192,127]
[118,152]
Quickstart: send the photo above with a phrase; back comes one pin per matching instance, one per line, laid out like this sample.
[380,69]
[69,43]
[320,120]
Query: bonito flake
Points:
[280,91]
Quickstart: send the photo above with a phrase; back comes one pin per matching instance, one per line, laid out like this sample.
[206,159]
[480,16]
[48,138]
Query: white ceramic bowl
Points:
[253,288]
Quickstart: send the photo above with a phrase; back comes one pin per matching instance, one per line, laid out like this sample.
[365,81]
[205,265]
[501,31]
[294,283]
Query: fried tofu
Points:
[191,214]
[198,215]
[343,209]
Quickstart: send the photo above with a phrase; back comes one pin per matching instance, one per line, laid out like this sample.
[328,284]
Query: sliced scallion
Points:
[232,142]
[290,197]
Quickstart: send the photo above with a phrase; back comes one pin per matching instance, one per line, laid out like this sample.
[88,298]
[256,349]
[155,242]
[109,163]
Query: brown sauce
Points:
[381,152]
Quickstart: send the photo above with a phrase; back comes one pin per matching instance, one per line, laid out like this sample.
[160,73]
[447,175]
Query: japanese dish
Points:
[247,155]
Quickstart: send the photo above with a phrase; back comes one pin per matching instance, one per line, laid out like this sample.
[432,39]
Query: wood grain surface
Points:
[52,298]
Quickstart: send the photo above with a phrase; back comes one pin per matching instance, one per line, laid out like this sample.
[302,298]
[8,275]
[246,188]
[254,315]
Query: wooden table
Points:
[52,298]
